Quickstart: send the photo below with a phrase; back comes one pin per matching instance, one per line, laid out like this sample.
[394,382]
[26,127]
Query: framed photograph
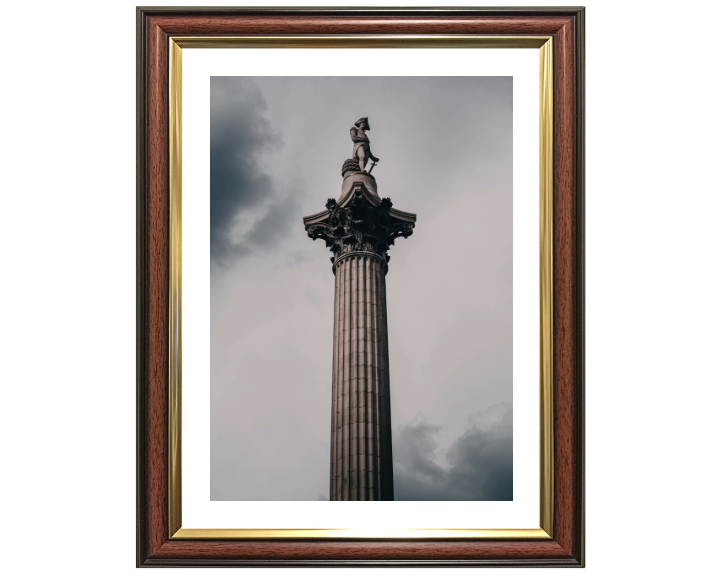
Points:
[360,287]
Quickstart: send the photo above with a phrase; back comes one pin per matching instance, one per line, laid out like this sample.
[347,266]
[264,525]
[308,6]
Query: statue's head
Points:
[363,124]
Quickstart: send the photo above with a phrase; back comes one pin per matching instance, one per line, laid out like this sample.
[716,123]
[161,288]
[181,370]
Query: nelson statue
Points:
[361,149]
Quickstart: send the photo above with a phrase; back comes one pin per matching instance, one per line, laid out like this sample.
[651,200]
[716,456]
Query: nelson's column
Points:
[359,229]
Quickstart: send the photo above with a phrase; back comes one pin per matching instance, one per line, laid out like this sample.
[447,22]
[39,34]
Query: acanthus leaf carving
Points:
[359,226]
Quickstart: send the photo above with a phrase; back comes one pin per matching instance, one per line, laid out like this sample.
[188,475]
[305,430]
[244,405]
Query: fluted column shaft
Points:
[361,442]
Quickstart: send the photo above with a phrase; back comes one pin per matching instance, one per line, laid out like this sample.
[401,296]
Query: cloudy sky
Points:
[277,146]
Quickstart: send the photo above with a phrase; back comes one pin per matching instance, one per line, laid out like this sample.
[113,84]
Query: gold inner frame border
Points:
[544,44]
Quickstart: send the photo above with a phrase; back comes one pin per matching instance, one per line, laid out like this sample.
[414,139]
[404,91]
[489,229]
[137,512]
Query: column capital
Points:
[359,222]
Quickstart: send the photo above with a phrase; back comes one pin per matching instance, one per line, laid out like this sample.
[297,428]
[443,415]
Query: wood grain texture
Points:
[357,552]
[154,548]
[563,288]
[154,392]
[274,25]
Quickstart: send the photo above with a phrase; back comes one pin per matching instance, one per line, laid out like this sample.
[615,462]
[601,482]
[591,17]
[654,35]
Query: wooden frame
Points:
[154,544]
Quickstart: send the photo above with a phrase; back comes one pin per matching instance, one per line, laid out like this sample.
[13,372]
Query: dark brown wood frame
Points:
[154,26]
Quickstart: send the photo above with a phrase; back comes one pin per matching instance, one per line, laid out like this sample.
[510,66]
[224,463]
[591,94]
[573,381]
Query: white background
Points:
[198,510]
[67,224]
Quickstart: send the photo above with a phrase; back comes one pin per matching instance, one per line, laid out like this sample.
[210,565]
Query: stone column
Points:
[361,440]
[359,228]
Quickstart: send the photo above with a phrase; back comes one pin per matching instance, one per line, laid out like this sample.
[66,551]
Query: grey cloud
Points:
[280,216]
[240,133]
[479,462]
[414,450]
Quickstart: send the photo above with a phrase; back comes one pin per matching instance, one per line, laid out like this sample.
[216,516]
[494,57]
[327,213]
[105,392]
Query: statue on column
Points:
[361,149]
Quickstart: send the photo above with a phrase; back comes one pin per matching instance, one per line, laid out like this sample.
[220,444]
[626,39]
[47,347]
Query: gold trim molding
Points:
[546,287]
[545,47]
[360,41]
[415,533]
[175,320]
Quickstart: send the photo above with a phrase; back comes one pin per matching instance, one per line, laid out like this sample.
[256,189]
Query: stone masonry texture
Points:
[361,442]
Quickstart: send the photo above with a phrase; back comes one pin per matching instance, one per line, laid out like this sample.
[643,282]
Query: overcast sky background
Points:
[277,146]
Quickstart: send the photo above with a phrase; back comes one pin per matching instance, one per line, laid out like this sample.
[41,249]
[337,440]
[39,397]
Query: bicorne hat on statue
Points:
[367,124]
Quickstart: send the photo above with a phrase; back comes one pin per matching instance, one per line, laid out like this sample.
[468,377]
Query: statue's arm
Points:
[355,138]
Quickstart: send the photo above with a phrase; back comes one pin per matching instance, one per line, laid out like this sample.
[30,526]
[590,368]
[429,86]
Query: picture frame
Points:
[162,34]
